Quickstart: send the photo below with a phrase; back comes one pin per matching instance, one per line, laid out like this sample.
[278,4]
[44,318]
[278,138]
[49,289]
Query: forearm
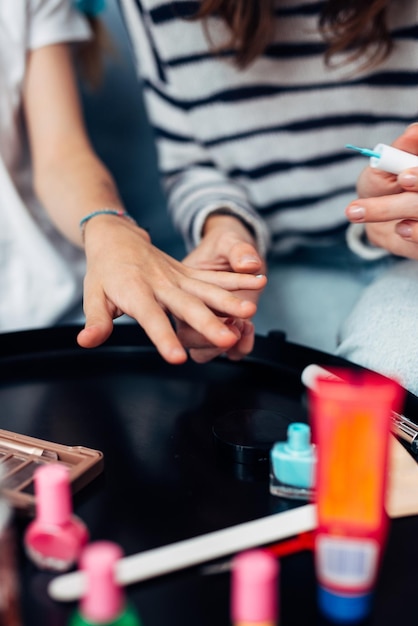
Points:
[69,179]
[73,185]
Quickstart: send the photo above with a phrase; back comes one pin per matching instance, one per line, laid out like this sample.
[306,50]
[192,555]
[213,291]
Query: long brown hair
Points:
[355,27]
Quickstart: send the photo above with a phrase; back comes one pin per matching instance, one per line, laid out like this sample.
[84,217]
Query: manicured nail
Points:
[408,180]
[356,212]
[404,229]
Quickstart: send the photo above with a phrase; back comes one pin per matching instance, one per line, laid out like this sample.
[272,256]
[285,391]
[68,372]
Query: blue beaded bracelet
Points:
[89,216]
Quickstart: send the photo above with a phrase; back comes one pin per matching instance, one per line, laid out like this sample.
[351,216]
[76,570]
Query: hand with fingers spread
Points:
[127,274]
[388,204]
[227,246]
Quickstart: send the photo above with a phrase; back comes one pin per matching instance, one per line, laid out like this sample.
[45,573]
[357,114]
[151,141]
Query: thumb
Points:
[244,258]
[96,330]
[408,141]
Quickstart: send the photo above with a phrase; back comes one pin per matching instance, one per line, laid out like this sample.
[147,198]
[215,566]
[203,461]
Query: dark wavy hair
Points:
[355,27]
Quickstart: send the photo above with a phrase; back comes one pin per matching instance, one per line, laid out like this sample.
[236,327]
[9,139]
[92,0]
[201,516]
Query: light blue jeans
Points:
[331,300]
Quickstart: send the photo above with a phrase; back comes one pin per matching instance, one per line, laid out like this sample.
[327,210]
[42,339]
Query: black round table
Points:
[164,479]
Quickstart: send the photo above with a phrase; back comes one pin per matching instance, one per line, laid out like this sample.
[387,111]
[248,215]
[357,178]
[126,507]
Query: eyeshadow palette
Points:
[20,455]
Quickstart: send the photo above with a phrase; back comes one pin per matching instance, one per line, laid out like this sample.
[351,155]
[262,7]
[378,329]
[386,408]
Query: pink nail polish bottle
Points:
[254,589]
[104,600]
[55,538]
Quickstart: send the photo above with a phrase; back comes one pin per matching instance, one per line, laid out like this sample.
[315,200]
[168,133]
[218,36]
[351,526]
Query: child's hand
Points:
[227,245]
[127,274]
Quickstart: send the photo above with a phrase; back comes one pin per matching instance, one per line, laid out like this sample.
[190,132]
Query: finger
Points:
[204,354]
[194,313]
[94,333]
[408,229]
[154,321]
[384,209]
[242,347]
[409,179]
[408,141]
[233,281]
[99,320]
[384,235]
[246,343]
[159,329]
[193,339]
[196,304]
[245,258]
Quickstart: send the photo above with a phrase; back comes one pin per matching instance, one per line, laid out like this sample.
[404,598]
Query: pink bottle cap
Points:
[254,594]
[53,494]
[104,597]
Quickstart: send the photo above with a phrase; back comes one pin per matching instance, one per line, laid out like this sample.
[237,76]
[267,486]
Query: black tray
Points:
[164,479]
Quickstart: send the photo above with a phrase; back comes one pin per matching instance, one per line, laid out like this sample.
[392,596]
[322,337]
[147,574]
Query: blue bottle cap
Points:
[344,608]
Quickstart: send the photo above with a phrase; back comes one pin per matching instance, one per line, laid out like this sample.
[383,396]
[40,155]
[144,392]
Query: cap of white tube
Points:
[392,160]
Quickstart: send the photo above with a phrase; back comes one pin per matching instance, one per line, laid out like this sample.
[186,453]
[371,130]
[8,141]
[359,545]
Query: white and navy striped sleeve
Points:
[267,142]
[194,184]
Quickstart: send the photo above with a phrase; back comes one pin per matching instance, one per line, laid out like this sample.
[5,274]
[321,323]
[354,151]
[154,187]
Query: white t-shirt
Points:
[40,272]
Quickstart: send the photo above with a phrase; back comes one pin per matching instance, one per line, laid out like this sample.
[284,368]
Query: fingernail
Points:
[408,180]
[177,353]
[244,303]
[249,258]
[227,329]
[232,321]
[356,212]
[404,230]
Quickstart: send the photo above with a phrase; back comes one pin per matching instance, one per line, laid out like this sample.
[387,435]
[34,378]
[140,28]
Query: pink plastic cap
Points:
[254,594]
[53,494]
[104,598]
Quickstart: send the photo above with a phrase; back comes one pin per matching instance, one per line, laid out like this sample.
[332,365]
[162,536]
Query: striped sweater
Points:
[267,143]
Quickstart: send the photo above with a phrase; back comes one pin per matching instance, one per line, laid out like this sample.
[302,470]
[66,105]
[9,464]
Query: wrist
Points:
[226,220]
[109,240]
[102,213]
[243,221]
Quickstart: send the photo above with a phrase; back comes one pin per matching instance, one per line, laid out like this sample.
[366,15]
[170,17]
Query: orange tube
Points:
[351,426]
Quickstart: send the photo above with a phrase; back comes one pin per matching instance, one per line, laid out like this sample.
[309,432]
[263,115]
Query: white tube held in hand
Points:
[392,160]
[387,158]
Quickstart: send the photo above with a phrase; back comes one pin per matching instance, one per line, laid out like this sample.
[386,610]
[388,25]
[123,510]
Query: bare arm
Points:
[69,178]
[125,272]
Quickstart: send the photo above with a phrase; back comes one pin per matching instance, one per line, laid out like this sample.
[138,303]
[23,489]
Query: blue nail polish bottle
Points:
[292,464]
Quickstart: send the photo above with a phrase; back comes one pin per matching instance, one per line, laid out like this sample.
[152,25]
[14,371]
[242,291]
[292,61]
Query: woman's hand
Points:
[388,204]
